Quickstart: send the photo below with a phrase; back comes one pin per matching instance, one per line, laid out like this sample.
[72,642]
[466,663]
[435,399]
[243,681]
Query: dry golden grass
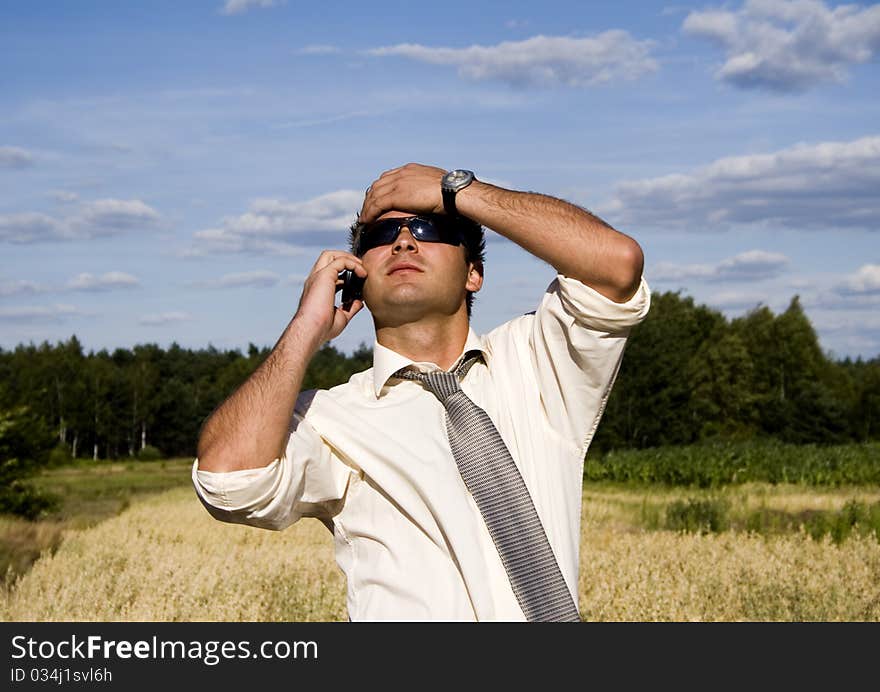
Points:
[665,576]
[622,506]
[22,543]
[166,559]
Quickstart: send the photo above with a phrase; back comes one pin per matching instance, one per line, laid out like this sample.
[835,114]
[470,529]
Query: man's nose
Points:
[405,241]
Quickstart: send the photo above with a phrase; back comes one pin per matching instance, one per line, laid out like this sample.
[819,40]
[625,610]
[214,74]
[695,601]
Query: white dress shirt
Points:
[371,459]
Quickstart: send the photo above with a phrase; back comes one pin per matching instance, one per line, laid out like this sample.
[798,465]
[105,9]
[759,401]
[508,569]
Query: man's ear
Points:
[475,276]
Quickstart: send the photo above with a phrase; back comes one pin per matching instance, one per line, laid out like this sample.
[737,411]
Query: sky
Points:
[170,171]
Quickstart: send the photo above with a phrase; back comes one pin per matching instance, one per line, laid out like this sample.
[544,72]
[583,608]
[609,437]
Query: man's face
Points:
[409,280]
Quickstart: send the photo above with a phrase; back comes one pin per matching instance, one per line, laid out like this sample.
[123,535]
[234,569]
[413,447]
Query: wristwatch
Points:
[452,183]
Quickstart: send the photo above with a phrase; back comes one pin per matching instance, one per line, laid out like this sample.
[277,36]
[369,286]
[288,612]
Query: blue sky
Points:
[170,171]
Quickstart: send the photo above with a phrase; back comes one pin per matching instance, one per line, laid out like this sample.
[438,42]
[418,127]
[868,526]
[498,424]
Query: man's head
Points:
[434,238]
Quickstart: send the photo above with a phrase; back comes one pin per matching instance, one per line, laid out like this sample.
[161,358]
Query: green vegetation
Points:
[697,516]
[149,453]
[24,447]
[58,403]
[81,494]
[719,463]
[690,375]
[713,515]
[87,492]
[117,405]
[854,517]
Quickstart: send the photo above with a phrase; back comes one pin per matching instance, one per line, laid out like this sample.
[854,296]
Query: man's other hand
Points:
[412,188]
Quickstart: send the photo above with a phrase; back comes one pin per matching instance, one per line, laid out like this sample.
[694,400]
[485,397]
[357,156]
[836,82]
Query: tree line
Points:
[688,374]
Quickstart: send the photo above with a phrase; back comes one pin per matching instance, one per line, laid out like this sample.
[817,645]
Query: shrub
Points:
[853,518]
[697,516]
[149,453]
[25,501]
[60,455]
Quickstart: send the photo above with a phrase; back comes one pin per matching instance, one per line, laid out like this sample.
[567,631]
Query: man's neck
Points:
[438,340]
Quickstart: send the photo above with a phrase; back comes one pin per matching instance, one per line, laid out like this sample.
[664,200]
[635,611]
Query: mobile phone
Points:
[352,286]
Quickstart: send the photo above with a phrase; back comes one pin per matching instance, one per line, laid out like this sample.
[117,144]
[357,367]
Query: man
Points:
[377,459]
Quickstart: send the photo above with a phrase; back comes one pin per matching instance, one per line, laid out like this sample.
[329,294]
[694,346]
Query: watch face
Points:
[457,178]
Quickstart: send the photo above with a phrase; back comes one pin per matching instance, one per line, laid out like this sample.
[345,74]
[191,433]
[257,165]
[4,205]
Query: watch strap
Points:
[449,202]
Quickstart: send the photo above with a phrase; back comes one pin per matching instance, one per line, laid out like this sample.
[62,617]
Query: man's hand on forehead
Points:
[413,188]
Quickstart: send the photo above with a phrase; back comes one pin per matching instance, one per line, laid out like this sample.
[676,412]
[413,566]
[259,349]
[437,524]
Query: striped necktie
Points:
[492,478]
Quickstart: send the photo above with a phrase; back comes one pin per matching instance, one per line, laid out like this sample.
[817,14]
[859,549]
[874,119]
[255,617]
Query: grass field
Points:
[131,542]
[88,493]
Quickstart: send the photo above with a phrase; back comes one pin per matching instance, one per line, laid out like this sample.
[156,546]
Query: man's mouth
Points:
[397,268]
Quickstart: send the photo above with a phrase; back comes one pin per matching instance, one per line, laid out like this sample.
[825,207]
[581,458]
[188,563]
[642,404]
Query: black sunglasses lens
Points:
[423,229]
[379,233]
[436,230]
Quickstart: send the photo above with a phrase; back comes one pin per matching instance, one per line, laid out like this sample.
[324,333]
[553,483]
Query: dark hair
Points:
[474,245]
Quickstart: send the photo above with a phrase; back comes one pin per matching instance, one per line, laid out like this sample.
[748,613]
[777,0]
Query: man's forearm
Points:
[574,241]
[251,427]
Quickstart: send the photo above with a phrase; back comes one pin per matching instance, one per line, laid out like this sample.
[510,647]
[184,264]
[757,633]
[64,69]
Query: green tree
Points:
[25,441]
[866,411]
[650,402]
[720,376]
[143,381]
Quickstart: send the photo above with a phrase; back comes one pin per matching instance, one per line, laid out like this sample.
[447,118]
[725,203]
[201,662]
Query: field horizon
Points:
[127,548]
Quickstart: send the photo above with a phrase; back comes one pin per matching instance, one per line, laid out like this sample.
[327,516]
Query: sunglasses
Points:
[425,229]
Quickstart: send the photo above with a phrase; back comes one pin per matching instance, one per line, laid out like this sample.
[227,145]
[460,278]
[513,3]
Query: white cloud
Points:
[865,325]
[164,318]
[20,287]
[847,332]
[839,298]
[734,301]
[670,271]
[108,216]
[274,226]
[821,186]
[31,227]
[259,278]
[15,157]
[37,313]
[64,196]
[318,49]
[866,281]
[541,60]
[105,282]
[104,217]
[217,241]
[754,265]
[242,6]
[788,45]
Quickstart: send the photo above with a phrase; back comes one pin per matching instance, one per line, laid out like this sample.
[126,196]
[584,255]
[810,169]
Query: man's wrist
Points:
[472,200]
[304,335]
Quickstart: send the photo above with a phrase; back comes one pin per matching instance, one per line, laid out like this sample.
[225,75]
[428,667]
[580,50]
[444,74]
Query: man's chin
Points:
[405,306]
[398,314]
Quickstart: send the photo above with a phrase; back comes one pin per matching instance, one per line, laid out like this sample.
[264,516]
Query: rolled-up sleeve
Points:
[307,481]
[577,343]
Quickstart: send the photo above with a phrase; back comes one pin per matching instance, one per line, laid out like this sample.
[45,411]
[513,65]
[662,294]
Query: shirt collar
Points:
[387,362]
